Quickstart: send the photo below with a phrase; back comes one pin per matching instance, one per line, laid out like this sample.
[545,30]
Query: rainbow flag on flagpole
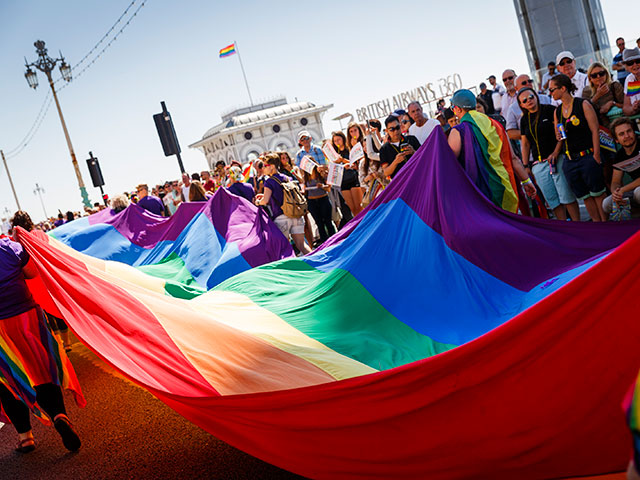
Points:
[246,174]
[228,50]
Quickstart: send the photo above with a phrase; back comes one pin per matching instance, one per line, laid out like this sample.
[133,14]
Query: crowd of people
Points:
[572,138]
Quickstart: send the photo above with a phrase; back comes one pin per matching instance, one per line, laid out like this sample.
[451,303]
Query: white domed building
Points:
[244,133]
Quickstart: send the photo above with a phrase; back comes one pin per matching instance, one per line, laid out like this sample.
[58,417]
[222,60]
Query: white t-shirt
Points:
[631,78]
[580,81]
[185,192]
[421,133]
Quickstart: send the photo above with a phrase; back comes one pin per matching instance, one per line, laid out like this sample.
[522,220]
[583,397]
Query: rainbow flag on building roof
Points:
[228,50]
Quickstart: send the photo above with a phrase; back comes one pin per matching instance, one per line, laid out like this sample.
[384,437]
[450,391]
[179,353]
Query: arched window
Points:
[252,156]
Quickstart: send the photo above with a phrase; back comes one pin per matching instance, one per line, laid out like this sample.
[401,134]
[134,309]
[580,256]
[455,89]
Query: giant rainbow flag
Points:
[436,336]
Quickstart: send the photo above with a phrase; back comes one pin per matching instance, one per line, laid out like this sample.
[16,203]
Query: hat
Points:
[448,113]
[464,99]
[565,54]
[630,54]
[302,134]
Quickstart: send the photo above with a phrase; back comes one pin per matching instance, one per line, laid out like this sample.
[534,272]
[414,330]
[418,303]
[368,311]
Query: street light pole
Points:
[39,191]
[13,189]
[46,64]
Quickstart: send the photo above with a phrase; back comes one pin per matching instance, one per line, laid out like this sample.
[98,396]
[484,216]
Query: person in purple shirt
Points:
[149,202]
[59,221]
[238,187]
[43,362]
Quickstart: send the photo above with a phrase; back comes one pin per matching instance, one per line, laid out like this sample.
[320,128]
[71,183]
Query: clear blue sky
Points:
[324,52]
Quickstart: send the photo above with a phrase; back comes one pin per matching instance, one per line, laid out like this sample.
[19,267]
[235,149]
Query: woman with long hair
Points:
[537,128]
[577,122]
[197,192]
[351,189]
[33,364]
[316,190]
[603,92]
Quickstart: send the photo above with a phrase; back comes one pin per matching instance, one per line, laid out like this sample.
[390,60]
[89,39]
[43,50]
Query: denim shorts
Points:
[555,188]
[585,177]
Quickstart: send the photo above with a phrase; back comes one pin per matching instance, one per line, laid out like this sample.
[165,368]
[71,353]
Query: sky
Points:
[331,52]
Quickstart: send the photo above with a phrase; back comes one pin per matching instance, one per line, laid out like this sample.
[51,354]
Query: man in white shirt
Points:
[498,92]
[631,59]
[423,126]
[548,75]
[186,185]
[509,98]
[567,64]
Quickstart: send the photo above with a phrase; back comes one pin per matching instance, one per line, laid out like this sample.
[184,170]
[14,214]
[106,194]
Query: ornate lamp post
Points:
[46,64]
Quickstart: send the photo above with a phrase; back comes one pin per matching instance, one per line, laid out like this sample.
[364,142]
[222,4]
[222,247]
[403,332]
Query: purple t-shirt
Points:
[15,297]
[277,194]
[152,204]
[244,190]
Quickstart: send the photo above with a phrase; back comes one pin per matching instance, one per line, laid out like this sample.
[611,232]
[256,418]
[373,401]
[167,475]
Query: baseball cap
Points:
[399,112]
[464,99]
[302,134]
[630,54]
[565,54]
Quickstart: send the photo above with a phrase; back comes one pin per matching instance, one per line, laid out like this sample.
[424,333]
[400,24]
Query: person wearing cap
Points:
[498,160]
[308,149]
[631,58]
[548,75]
[567,65]
[487,97]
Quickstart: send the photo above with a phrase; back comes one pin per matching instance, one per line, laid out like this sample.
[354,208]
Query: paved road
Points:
[127,434]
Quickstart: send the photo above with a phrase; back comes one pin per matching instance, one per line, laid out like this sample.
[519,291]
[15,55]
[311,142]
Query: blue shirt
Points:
[622,74]
[314,152]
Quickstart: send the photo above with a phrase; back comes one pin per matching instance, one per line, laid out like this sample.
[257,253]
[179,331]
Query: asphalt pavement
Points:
[126,433]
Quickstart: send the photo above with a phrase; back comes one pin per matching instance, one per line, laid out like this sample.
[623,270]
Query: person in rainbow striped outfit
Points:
[483,148]
[33,364]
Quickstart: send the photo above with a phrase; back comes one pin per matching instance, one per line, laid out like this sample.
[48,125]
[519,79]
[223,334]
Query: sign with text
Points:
[307,164]
[425,94]
[330,152]
[628,165]
[336,171]
[356,153]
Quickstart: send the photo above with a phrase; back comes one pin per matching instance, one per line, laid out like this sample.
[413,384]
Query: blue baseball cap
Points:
[464,99]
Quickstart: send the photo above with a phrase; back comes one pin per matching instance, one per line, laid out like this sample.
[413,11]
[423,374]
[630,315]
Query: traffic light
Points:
[94,170]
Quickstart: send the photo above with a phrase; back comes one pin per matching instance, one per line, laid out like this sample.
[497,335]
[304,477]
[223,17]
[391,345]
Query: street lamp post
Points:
[39,191]
[46,64]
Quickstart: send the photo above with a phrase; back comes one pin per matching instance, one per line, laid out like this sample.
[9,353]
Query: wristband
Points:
[527,181]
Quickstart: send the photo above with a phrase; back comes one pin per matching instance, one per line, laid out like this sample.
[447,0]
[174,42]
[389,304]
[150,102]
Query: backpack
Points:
[294,204]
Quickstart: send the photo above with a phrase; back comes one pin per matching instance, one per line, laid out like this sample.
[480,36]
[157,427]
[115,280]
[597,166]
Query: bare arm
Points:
[594,126]
[514,134]
[30,270]
[265,197]
[526,148]
[455,142]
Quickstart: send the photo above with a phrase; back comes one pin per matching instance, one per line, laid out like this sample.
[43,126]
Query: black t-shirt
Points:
[577,129]
[488,99]
[542,134]
[388,151]
[621,155]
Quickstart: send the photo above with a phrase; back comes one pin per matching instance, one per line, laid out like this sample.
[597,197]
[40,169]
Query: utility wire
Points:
[48,99]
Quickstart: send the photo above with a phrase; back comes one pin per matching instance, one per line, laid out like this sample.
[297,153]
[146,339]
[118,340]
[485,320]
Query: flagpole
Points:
[243,74]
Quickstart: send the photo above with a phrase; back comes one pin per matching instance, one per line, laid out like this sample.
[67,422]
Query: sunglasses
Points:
[394,129]
[601,73]
[405,122]
[632,62]
[565,62]
[528,98]
[304,139]
[553,89]
[528,82]
[508,79]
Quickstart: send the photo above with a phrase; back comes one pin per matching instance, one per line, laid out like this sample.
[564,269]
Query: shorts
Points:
[349,179]
[554,187]
[585,177]
[289,226]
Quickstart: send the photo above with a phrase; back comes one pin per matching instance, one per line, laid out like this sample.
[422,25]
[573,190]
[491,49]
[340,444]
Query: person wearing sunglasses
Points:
[603,92]
[631,58]
[509,98]
[577,122]
[514,114]
[566,62]
[398,148]
[542,153]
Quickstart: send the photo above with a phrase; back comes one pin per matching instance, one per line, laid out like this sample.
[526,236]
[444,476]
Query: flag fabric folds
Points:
[435,336]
